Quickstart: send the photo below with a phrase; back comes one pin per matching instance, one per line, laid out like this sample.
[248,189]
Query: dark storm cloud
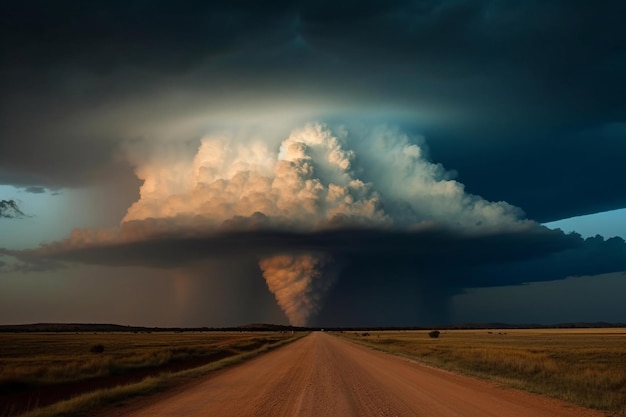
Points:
[9,209]
[534,253]
[594,256]
[521,97]
[416,288]
[19,261]
[427,249]
[561,175]
[35,189]
[384,277]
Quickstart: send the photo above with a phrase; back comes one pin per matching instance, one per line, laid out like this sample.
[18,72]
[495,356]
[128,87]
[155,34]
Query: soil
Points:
[323,375]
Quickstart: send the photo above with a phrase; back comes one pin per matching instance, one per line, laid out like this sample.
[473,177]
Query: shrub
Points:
[97,349]
[434,334]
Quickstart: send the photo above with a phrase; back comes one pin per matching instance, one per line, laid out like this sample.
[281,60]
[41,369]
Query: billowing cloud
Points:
[498,87]
[313,179]
[334,216]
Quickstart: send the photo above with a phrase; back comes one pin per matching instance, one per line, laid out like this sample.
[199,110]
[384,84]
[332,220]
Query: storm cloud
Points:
[496,86]
[408,275]
[9,209]
[440,134]
[318,210]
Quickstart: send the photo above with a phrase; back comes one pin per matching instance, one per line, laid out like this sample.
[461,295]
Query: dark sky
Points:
[524,99]
[521,103]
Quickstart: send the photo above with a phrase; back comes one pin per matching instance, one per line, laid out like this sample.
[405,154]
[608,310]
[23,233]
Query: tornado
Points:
[299,283]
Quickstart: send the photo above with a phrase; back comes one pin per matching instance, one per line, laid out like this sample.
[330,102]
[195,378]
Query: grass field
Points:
[42,359]
[582,366]
[35,361]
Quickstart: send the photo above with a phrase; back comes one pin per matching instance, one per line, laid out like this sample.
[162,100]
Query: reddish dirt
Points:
[322,375]
[21,398]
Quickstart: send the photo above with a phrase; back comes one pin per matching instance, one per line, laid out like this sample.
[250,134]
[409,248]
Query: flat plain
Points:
[586,367]
[582,366]
[39,369]
[324,375]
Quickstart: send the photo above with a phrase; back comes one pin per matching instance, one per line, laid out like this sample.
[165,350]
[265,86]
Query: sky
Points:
[313,163]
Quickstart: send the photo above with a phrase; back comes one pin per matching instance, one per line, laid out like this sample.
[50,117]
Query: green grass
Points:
[585,367]
[37,359]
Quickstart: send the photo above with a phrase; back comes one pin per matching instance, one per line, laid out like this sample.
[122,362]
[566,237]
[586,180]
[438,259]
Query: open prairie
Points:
[582,366]
[324,375]
[37,369]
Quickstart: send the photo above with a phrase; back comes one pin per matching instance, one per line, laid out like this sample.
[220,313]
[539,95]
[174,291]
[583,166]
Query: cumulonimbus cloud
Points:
[313,179]
[314,207]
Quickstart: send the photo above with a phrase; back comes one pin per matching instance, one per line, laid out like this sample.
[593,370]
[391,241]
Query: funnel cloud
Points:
[299,283]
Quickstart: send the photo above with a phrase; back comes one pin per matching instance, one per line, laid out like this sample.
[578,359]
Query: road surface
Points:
[323,375]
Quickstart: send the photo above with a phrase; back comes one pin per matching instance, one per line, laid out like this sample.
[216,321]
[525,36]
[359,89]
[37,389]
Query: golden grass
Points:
[86,403]
[123,350]
[50,358]
[585,367]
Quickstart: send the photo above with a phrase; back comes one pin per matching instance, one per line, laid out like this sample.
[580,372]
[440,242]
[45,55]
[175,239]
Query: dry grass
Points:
[86,404]
[49,358]
[586,367]
[33,360]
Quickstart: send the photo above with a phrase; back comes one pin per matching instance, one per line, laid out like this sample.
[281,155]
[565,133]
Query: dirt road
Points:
[323,375]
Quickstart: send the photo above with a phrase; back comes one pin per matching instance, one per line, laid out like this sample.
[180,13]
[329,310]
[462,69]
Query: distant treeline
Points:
[262,327]
[99,328]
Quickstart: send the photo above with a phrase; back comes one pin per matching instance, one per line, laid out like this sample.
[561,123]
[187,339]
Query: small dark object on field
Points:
[434,334]
[365,334]
[97,349]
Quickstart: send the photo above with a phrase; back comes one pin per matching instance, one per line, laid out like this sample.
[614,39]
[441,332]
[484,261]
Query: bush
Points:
[434,334]
[97,349]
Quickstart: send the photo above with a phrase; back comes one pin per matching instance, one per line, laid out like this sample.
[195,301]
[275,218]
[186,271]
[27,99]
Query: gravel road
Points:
[323,375]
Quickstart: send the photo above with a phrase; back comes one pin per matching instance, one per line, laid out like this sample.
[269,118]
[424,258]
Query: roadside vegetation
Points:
[36,362]
[585,367]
